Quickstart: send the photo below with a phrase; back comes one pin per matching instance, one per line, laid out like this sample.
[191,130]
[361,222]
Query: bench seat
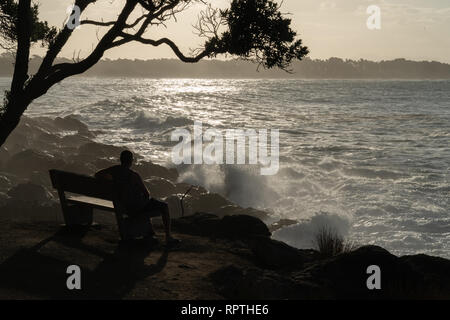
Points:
[95,203]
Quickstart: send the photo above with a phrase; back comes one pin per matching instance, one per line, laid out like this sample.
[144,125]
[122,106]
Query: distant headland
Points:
[332,68]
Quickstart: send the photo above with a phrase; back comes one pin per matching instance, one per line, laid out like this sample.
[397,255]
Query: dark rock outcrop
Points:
[252,283]
[341,277]
[235,226]
[346,276]
[202,224]
[30,193]
[275,254]
[242,226]
[148,169]
[4,156]
[26,162]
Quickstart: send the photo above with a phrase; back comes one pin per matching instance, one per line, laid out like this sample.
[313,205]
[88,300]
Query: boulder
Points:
[346,275]
[252,283]
[235,227]
[26,162]
[31,212]
[206,202]
[195,191]
[242,226]
[148,169]
[200,223]
[281,224]
[70,123]
[160,187]
[3,199]
[276,254]
[435,273]
[5,182]
[4,156]
[95,150]
[232,209]
[74,140]
[29,192]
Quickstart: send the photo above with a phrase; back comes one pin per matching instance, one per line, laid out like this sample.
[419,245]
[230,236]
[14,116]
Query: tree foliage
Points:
[41,31]
[258,31]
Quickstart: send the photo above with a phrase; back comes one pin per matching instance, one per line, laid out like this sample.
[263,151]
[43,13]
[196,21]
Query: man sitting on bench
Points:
[133,194]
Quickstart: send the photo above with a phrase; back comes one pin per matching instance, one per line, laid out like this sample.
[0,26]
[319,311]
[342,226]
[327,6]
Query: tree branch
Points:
[61,71]
[59,42]
[128,37]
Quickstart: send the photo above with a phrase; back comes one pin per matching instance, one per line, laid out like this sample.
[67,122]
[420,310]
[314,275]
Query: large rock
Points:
[4,156]
[26,162]
[346,276]
[276,254]
[252,283]
[3,199]
[29,193]
[160,187]
[23,212]
[5,182]
[435,273]
[74,140]
[200,223]
[95,150]
[70,123]
[232,209]
[281,224]
[194,191]
[235,227]
[148,169]
[206,202]
[243,226]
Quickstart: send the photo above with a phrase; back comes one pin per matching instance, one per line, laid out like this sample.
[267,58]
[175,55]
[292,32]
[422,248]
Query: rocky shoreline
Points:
[227,251]
[40,144]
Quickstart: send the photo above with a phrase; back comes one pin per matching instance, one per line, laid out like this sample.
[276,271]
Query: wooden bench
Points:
[88,193]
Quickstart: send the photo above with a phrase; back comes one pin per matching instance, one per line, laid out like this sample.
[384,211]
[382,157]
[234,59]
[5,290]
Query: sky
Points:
[411,29]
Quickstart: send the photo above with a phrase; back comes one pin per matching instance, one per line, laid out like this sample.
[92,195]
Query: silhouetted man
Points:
[133,193]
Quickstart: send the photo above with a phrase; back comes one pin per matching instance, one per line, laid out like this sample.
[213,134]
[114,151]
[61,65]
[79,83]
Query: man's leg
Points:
[163,209]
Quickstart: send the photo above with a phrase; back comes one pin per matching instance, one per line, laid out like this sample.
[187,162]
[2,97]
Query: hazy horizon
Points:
[333,68]
[410,29]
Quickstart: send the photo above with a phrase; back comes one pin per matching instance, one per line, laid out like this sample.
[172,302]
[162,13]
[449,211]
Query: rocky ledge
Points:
[219,258]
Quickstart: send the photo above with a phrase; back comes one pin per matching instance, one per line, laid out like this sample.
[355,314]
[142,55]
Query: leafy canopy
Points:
[257,31]
[40,30]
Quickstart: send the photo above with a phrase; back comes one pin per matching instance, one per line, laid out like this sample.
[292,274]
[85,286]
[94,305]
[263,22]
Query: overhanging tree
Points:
[253,30]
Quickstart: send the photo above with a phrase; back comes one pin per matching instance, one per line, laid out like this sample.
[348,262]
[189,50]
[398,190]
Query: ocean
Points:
[368,158]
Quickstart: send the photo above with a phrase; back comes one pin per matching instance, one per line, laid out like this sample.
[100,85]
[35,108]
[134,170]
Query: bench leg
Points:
[76,215]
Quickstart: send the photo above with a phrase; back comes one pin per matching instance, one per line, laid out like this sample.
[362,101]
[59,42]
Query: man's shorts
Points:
[154,208]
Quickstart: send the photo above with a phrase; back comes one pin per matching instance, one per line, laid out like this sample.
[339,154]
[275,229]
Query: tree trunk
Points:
[17,102]
[11,117]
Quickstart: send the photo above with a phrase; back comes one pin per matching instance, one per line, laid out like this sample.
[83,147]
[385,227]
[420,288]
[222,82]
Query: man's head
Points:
[126,158]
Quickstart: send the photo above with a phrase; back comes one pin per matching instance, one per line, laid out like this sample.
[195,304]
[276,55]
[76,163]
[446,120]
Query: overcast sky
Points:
[412,29]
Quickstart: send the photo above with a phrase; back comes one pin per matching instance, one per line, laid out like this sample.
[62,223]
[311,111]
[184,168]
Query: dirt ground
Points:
[34,257]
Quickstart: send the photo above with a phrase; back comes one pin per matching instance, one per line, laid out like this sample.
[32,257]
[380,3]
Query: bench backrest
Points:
[81,184]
